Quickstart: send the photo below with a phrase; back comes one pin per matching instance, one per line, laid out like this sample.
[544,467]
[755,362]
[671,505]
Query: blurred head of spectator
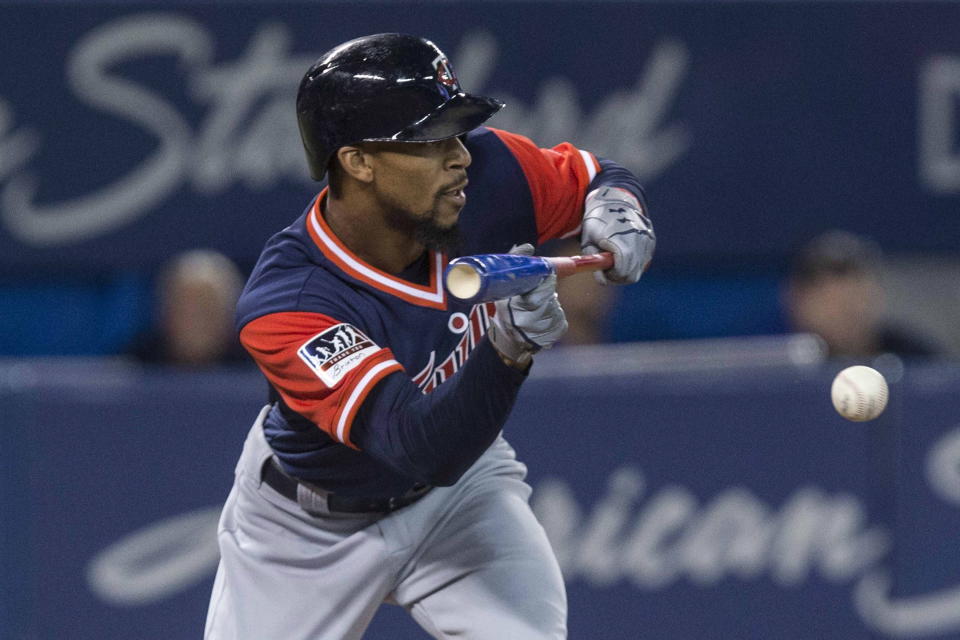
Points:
[834,290]
[196,296]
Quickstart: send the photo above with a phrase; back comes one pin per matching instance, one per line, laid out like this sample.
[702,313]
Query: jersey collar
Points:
[432,295]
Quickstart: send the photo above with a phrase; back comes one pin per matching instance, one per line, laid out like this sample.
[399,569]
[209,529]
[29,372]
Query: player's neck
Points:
[364,230]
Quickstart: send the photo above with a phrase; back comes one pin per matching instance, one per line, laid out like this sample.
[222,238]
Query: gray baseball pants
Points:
[467,561]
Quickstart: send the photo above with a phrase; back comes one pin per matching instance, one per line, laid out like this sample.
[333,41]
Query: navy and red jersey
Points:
[383,380]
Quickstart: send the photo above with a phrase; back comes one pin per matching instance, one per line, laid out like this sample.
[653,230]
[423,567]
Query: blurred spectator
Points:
[834,290]
[196,296]
[586,303]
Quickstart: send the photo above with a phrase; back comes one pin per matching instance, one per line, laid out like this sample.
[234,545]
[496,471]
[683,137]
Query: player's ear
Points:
[355,163]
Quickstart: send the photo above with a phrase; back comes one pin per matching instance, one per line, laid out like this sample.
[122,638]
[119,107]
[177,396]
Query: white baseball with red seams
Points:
[859,393]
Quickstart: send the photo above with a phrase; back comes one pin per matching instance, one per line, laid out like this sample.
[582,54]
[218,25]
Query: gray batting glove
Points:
[526,323]
[614,221]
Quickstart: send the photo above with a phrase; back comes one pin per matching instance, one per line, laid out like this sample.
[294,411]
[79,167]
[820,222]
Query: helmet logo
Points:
[445,74]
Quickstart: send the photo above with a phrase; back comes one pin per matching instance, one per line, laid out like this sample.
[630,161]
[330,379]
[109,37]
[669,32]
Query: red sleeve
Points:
[558,180]
[323,368]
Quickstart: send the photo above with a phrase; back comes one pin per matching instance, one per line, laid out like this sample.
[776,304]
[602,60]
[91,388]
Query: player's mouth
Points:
[456,195]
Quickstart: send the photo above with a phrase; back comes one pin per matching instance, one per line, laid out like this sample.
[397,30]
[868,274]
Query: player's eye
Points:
[427,148]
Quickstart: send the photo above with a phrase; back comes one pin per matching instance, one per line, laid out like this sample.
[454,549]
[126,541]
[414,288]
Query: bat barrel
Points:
[492,276]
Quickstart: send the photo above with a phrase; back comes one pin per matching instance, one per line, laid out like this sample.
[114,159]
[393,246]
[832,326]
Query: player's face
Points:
[420,186]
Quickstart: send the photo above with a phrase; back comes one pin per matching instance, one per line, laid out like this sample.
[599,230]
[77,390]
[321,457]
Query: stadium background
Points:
[720,498]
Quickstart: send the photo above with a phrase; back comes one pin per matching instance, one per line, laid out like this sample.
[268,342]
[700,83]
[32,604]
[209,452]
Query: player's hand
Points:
[526,323]
[614,221]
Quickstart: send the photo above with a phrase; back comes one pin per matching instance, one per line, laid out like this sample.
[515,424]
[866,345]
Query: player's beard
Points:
[433,236]
[425,229]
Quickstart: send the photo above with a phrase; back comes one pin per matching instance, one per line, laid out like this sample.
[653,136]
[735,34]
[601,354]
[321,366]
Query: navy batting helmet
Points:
[384,87]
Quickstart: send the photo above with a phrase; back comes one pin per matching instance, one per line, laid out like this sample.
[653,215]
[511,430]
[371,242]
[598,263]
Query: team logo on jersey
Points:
[472,328]
[331,354]
[445,75]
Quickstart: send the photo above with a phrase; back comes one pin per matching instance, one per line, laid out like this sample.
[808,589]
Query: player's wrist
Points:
[521,366]
[512,352]
[603,196]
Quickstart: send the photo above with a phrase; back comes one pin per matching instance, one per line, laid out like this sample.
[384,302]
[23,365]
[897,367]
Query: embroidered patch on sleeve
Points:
[334,352]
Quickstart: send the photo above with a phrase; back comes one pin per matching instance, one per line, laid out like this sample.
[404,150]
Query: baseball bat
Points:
[492,276]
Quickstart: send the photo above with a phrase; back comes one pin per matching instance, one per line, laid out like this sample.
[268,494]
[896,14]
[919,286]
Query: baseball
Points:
[859,393]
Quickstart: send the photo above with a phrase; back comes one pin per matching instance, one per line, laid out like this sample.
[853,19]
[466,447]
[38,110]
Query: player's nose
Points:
[459,157]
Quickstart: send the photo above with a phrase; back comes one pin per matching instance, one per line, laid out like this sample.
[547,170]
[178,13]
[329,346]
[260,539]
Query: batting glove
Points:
[526,323]
[614,221]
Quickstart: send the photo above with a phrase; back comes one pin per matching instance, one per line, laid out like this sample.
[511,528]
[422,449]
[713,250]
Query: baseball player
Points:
[377,472]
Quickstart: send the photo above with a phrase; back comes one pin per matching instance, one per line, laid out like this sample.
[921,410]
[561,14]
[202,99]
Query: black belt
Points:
[285,485]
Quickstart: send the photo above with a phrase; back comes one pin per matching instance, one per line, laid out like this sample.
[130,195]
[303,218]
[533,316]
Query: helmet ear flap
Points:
[317,143]
[384,87]
[334,173]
